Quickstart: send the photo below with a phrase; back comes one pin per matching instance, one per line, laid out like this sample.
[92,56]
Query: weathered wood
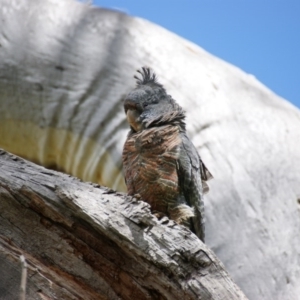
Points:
[83,241]
[64,70]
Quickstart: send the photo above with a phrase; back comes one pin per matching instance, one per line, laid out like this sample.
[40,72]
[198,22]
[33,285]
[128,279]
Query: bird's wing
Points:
[192,172]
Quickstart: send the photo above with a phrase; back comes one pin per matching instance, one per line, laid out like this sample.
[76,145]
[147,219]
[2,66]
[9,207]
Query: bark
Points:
[83,241]
[64,70]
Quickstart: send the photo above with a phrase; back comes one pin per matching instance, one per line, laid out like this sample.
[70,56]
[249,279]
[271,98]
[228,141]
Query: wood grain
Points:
[83,241]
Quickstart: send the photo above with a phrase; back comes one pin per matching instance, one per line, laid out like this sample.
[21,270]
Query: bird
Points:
[160,163]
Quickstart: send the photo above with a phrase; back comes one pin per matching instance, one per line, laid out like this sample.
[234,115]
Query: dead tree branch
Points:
[82,241]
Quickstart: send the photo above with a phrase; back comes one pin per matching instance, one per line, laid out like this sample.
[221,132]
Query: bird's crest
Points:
[148,77]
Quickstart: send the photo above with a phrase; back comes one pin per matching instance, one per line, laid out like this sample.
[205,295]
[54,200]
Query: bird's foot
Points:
[137,197]
[159,214]
[163,218]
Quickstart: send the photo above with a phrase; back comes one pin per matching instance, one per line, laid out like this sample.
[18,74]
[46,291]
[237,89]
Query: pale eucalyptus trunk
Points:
[64,69]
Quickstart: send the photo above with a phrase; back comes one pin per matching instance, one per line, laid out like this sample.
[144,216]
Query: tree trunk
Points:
[64,70]
[83,241]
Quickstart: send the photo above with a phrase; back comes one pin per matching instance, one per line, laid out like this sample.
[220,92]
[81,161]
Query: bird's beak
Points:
[133,118]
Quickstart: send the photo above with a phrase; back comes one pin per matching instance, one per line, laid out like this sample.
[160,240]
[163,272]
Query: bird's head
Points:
[149,104]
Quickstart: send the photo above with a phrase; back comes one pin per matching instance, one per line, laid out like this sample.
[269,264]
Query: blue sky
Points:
[262,37]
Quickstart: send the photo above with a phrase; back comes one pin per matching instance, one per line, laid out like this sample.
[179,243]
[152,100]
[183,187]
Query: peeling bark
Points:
[83,241]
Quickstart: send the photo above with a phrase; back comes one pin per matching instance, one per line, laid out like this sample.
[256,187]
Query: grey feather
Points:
[191,171]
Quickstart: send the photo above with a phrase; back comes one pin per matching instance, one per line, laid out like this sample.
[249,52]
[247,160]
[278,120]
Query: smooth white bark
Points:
[64,69]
